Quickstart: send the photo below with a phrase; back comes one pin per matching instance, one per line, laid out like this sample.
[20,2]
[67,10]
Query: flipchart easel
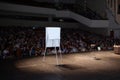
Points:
[53,40]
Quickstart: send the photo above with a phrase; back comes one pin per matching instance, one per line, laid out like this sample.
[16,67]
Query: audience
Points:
[25,41]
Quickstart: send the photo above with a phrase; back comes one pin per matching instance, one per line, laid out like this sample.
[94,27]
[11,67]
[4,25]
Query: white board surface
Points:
[53,32]
[53,36]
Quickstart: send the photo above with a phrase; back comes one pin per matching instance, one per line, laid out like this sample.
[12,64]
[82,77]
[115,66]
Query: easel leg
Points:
[60,54]
[56,56]
[44,55]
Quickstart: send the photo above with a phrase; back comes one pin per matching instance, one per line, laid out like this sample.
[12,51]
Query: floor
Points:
[98,65]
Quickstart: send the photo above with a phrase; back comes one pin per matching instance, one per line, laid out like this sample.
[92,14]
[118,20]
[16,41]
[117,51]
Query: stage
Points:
[97,65]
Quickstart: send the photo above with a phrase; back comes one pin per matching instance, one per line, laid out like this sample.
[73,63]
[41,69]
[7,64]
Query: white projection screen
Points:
[53,36]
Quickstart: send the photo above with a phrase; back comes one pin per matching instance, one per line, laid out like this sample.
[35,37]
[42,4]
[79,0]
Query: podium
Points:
[117,49]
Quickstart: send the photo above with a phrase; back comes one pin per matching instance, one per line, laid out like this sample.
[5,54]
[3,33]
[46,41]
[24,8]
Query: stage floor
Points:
[99,65]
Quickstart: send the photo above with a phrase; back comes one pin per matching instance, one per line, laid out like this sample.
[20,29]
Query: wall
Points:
[113,7]
[114,17]
[16,22]
[57,13]
[27,23]
[53,1]
[117,33]
[118,15]
[7,22]
[102,31]
[97,5]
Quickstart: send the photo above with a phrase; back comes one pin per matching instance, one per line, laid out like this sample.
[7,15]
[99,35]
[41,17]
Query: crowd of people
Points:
[21,42]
